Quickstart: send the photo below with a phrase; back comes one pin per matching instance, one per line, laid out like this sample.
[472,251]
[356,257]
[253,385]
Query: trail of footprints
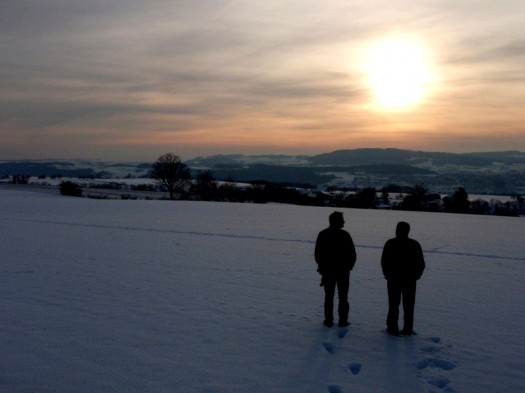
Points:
[434,367]
[431,368]
[354,368]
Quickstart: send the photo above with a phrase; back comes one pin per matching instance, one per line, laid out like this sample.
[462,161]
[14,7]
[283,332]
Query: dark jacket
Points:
[402,259]
[334,251]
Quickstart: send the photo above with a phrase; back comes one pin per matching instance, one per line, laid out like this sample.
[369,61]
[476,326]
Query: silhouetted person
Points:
[335,256]
[403,264]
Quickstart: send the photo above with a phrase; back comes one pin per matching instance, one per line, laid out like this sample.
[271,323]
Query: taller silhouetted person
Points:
[403,264]
[335,256]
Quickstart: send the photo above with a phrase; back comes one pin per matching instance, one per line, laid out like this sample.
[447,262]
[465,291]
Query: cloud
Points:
[208,68]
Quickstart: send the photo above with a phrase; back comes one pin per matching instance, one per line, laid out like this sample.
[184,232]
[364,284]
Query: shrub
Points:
[70,189]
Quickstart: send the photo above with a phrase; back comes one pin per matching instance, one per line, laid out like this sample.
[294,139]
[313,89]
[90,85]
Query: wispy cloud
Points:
[257,75]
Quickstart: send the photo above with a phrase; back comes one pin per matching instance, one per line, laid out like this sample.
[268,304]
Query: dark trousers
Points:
[330,282]
[397,290]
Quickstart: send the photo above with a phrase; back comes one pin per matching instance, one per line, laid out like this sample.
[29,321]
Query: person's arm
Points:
[352,253]
[318,254]
[420,261]
[386,260]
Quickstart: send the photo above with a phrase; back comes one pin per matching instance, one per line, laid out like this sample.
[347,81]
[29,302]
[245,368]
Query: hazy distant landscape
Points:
[495,173]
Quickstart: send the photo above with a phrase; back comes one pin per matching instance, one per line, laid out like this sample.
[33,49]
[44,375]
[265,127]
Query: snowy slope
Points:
[160,296]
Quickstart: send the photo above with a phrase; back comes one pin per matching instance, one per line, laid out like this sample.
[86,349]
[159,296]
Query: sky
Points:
[129,79]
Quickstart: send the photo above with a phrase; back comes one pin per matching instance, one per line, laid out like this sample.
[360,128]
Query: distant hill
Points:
[417,158]
[73,168]
[484,172]
[481,173]
[367,156]
[364,157]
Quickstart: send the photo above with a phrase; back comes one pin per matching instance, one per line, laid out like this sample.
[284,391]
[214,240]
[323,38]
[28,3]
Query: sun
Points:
[398,72]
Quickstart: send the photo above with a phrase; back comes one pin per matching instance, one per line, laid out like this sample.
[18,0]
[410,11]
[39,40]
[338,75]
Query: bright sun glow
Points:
[398,73]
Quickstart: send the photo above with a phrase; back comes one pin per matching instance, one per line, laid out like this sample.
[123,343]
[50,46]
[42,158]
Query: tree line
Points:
[175,178]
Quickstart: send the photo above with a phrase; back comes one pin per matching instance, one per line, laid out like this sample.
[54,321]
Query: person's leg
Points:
[409,300]
[329,292]
[343,284]
[394,298]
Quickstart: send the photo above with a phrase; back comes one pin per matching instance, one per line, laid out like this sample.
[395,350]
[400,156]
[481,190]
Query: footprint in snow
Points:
[355,368]
[329,347]
[335,389]
[439,382]
[435,363]
[430,350]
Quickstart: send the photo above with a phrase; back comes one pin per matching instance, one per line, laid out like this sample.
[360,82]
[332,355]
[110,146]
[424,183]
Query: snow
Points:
[176,296]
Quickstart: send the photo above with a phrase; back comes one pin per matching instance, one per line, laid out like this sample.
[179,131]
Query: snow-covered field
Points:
[160,296]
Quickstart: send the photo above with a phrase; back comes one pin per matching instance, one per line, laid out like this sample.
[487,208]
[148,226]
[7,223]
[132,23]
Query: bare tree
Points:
[205,187]
[170,172]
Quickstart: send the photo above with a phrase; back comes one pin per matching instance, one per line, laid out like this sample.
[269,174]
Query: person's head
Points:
[402,229]
[336,220]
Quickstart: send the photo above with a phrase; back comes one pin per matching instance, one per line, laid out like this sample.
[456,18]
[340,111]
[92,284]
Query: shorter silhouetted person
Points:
[403,264]
[335,256]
